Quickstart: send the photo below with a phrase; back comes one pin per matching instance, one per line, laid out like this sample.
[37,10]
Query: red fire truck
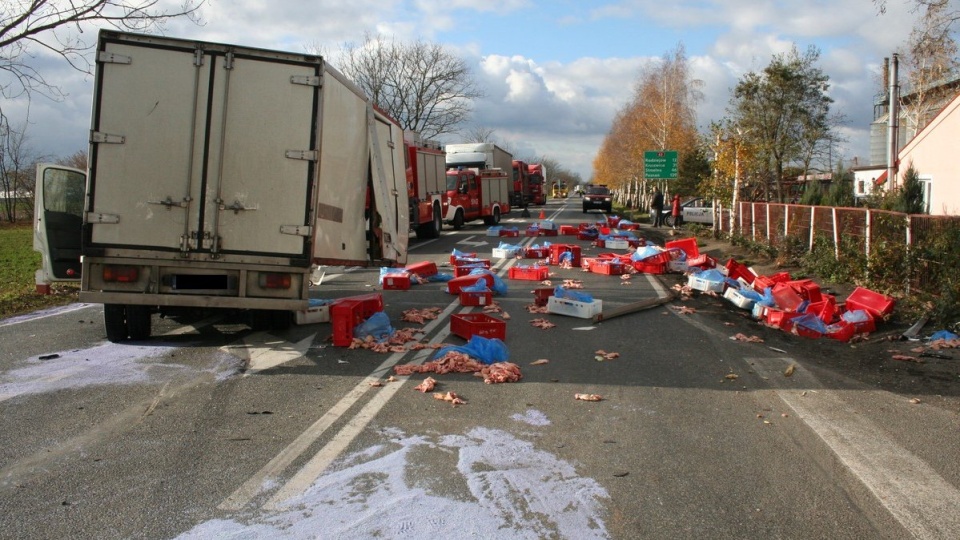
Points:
[426,184]
[476,194]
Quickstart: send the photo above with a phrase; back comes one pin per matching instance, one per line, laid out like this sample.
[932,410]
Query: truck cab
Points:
[476,194]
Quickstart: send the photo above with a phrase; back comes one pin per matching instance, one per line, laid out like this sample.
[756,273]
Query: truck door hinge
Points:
[198,57]
[296,230]
[97,217]
[306,80]
[106,57]
[228,60]
[308,155]
[100,137]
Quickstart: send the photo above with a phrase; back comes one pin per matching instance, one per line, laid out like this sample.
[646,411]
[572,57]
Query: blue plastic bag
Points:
[486,350]
[566,256]
[457,253]
[440,277]
[479,286]
[561,292]
[644,252]
[811,322]
[768,300]
[943,334]
[499,286]
[378,326]
[856,316]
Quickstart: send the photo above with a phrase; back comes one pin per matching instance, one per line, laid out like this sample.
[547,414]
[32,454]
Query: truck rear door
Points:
[203,150]
[57,220]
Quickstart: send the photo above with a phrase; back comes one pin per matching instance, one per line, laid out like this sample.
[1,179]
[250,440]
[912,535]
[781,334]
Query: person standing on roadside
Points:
[657,207]
[677,212]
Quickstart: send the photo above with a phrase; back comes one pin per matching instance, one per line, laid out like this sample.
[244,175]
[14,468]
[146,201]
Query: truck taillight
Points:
[113,273]
[275,281]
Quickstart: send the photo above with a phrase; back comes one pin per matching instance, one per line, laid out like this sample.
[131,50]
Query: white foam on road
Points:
[513,491]
[104,364]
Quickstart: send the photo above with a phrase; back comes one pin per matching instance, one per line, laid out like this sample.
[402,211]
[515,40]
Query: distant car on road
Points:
[696,210]
[597,197]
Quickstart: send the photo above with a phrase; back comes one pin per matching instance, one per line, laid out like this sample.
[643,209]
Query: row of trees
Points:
[779,124]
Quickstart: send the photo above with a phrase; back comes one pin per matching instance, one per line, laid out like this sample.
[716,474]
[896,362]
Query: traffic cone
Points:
[542,214]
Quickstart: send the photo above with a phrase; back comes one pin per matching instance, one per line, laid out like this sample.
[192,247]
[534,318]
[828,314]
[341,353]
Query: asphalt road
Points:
[210,430]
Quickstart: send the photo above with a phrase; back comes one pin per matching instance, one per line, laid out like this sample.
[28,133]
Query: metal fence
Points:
[925,250]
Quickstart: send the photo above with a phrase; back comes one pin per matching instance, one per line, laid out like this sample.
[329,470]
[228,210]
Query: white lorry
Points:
[219,176]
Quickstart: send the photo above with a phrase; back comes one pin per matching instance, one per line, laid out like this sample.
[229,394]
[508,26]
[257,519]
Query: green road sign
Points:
[660,165]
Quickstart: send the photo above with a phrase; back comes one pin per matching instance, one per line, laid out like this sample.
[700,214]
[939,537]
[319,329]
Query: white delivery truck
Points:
[220,175]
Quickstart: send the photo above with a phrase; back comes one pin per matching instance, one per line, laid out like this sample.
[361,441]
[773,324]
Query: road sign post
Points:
[660,165]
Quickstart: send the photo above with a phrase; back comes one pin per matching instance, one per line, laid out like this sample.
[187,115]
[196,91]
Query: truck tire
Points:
[115,322]
[432,229]
[458,220]
[494,219]
[138,322]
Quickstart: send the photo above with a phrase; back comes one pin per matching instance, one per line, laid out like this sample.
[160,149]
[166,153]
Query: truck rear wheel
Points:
[138,322]
[115,322]
[458,220]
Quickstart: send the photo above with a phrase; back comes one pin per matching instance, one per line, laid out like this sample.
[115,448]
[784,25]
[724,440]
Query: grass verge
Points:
[18,264]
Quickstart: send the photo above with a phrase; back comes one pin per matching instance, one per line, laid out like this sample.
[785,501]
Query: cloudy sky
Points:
[554,72]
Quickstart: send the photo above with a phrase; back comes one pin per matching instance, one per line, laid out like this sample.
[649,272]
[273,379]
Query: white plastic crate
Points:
[616,244]
[313,315]
[494,231]
[506,253]
[759,311]
[548,226]
[574,308]
[678,266]
[736,298]
[697,283]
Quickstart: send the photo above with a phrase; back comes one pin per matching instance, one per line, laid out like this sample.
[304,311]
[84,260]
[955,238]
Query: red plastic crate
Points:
[370,303]
[786,298]
[650,268]
[460,271]
[548,232]
[541,295]
[472,262]
[396,282]
[806,332]
[423,268]
[703,261]
[510,233]
[454,258]
[476,298]
[863,327]
[825,309]
[841,331]
[588,234]
[532,231]
[780,318]
[609,267]
[737,271]
[344,316]
[467,325]
[536,252]
[628,226]
[529,273]
[455,285]
[878,305]
[557,251]
[688,245]
[613,221]
[568,230]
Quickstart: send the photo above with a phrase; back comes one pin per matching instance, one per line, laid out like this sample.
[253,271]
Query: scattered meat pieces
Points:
[533,308]
[542,323]
[547,283]
[588,397]
[501,372]
[452,397]
[539,362]
[749,339]
[684,310]
[420,315]
[602,355]
[572,284]
[427,385]
[905,358]
[452,362]
[376,384]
